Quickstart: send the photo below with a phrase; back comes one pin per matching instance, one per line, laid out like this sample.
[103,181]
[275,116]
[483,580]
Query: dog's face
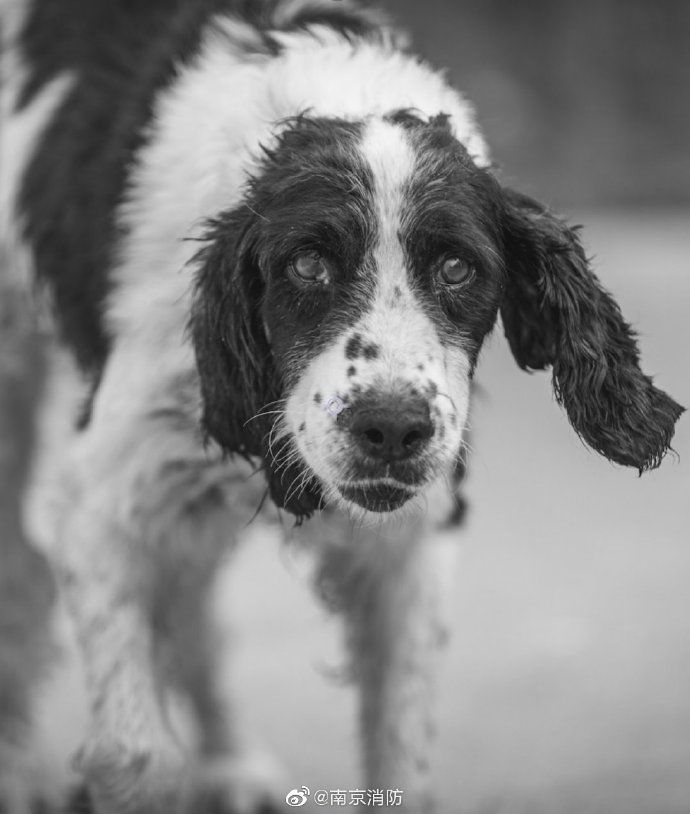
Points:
[376,308]
[341,308]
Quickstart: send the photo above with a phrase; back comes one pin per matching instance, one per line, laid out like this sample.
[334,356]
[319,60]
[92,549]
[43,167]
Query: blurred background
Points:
[586,102]
[566,681]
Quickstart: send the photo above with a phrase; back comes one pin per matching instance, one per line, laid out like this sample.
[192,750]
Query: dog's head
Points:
[341,307]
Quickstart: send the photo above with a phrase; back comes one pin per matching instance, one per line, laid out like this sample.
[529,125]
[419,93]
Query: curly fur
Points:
[237,373]
[555,312]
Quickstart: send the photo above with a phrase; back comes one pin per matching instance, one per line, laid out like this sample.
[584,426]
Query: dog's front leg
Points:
[390,587]
[105,568]
[130,760]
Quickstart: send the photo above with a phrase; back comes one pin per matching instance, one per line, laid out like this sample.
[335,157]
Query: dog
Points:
[265,243]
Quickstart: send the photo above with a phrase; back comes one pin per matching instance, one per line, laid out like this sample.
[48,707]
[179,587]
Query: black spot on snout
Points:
[371,351]
[353,348]
[351,371]
[317,398]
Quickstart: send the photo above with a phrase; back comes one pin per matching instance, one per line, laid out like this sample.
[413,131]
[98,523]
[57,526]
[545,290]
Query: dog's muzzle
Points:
[390,435]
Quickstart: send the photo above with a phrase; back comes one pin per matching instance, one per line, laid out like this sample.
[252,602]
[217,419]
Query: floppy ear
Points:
[232,351]
[555,312]
[239,380]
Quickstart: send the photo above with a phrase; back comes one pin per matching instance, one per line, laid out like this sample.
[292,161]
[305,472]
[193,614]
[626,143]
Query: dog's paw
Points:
[238,784]
[150,779]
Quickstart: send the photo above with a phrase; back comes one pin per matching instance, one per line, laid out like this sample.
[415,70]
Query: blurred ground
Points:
[566,683]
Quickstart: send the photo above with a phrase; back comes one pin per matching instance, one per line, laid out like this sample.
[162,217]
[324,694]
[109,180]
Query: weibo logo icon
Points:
[297,797]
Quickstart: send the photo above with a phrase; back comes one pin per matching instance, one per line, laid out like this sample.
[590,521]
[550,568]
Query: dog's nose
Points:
[392,430]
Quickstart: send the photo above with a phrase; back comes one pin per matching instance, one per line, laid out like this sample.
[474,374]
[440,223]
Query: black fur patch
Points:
[452,210]
[371,351]
[312,193]
[351,20]
[409,118]
[347,19]
[121,55]
[353,347]
[556,313]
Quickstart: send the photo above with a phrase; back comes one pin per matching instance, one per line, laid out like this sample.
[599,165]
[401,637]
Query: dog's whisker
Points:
[265,410]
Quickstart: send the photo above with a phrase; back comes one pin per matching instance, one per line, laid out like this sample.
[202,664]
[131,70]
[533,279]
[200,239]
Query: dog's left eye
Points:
[455,271]
[310,267]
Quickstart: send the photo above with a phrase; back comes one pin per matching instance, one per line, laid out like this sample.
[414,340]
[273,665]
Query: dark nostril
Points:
[412,438]
[374,436]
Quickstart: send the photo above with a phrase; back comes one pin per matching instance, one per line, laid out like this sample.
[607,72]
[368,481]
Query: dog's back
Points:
[114,57]
[96,69]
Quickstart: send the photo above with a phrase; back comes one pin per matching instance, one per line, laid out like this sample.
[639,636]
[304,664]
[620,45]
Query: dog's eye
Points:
[455,271]
[310,267]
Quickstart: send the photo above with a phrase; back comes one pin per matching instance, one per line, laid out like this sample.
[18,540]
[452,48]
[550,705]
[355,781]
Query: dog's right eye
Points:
[454,271]
[310,267]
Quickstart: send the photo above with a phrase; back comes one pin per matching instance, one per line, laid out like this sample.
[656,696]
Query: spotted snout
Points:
[378,415]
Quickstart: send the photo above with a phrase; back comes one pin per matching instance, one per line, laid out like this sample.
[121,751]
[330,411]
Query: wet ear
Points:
[232,351]
[238,377]
[555,312]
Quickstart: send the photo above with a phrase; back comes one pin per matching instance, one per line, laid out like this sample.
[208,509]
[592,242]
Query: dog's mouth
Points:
[377,496]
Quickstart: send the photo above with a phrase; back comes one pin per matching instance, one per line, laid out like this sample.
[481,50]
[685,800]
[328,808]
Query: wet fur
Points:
[157,204]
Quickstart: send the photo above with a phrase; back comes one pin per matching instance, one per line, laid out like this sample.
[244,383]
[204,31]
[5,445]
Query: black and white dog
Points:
[270,239]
